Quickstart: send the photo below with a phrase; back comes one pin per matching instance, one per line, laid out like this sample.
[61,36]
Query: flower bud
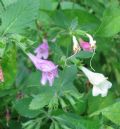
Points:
[76,47]
[91,41]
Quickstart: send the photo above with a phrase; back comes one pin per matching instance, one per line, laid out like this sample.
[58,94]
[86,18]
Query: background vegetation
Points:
[69,104]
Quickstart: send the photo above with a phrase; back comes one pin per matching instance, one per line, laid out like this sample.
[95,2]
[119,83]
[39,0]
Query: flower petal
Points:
[91,41]
[102,88]
[45,55]
[96,91]
[99,81]
[76,47]
[44,78]
[50,77]
[85,45]
[105,85]
[43,50]
[48,68]
[94,78]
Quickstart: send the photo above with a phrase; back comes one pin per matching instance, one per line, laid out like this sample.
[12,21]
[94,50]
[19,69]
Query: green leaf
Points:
[97,7]
[22,107]
[109,127]
[44,21]
[98,102]
[56,125]
[80,106]
[47,95]
[41,100]
[70,5]
[18,16]
[9,66]
[76,122]
[7,92]
[2,47]
[48,4]
[68,75]
[111,112]
[110,23]
[32,82]
[64,23]
[52,126]
[82,55]
[22,42]
[86,21]
[8,2]
[2,7]
[15,124]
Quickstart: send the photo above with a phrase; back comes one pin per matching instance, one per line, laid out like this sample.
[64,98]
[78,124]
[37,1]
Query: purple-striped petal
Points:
[48,68]
[43,50]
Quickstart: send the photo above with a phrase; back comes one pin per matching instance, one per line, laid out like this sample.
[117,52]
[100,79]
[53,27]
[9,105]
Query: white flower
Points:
[91,41]
[76,47]
[99,81]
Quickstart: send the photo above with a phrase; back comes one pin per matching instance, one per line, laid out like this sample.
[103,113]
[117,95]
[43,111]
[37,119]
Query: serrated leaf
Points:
[18,16]
[46,94]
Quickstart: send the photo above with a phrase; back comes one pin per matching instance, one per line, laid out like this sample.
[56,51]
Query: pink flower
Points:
[1,75]
[43,50]
[85,45]
[88,46]
[48,68]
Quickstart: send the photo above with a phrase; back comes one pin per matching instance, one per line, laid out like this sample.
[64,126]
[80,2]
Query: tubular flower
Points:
[85,45]
[99,82]
[91,41]
[76,47]
[43,50]
[1,75]
[48,68]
